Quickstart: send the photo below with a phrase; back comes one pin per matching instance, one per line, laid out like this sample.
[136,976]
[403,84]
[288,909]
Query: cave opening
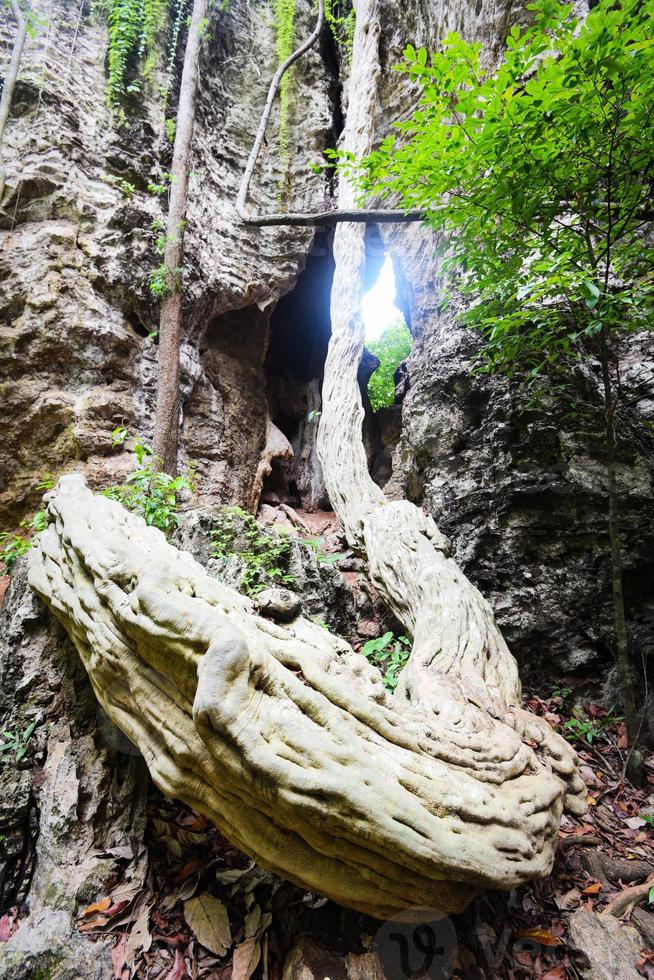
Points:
[300,328]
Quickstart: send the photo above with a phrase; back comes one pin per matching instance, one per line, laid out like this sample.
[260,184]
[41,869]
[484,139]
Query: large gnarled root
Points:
[460,670]
[282,734]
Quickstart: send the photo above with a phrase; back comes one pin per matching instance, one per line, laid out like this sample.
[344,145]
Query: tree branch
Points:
[299,219]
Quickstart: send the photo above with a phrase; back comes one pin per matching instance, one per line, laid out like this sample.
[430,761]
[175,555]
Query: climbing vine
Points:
[136,28]
[341,18]
[285,40]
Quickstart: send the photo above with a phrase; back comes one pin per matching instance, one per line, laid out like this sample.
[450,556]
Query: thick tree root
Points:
[285,737]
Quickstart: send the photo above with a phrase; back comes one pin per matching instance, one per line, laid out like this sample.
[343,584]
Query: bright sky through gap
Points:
[378,307]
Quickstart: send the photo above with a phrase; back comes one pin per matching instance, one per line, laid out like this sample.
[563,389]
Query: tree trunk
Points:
[10,82]
[626,678]
[166,422]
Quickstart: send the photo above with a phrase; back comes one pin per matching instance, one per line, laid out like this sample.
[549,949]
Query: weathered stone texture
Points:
[76,253]
[73,809]
[521,494]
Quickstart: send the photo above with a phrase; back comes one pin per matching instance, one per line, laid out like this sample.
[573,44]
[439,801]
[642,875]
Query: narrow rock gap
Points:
[300,328]
[382,427]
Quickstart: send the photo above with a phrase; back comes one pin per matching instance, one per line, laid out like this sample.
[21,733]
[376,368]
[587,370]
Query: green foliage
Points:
[285,40]
[390,654]
[341,18]
[538,178]
[159,189]
[119,435]
[148,491]
[12,546]
[124,186]
[265,554]
[177,20]
[134,26]
[171,126]
[137,32]
[317,545]
[588,729]
[46,482]
[391,347]
[15,743]
[163,282]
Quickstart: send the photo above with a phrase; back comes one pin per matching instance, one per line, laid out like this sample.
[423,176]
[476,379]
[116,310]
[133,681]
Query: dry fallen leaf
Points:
[542,936]
[207,917]
[118,954]
[570,900]
[246,959]
[139,937]
[178,971]
[100,906]
[556,973]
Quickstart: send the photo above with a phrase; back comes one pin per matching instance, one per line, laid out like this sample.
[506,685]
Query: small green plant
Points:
[46,482]
[162,241]
[562,692]
[158,189]
[118,436]
[12,546]
[123,186]
[317,545]
[265,554]
[15,742]
[390,654]
[589,729]
[170,125]
[162,281]
[153,494]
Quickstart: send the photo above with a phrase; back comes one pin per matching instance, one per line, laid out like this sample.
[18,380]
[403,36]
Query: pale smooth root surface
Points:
[285,737]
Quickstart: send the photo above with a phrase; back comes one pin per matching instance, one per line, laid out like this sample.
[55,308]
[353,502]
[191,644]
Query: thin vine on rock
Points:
[134,26]
[10,80]
[285,39]
[299,219]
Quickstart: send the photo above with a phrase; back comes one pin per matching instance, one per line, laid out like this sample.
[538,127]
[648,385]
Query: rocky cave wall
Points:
[521,494]
[76,252]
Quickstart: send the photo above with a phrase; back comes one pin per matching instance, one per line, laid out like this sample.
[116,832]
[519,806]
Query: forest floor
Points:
[207,912]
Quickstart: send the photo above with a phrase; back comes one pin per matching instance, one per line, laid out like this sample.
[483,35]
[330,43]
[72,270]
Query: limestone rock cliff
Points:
[76,252]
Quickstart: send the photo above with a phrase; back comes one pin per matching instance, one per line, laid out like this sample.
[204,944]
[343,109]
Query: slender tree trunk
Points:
[166,422]
[620,627]
[10,82]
